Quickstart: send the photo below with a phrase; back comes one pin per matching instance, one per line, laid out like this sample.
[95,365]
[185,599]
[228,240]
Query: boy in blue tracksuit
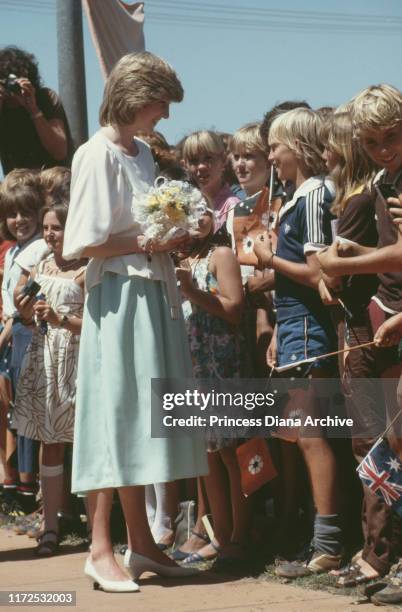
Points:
[304,328]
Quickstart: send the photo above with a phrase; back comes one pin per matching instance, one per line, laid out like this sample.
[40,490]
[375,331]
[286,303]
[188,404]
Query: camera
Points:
[11,84]
[31,288]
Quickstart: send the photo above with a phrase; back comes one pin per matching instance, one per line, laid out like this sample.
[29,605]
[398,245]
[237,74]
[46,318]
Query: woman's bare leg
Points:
[100,505]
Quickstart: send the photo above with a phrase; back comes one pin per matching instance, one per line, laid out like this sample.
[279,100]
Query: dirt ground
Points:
[21,571]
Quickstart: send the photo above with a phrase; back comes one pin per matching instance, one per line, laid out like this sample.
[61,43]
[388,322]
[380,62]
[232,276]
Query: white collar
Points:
[311,184]
[378,176]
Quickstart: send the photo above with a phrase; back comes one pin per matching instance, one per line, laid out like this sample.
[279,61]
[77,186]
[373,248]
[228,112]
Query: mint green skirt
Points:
[128,337]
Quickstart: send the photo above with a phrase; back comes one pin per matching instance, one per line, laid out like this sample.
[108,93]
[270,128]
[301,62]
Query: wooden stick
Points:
[346,350]
[381,438]
[289,366]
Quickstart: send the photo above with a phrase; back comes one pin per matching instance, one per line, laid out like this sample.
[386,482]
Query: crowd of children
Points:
[299,256]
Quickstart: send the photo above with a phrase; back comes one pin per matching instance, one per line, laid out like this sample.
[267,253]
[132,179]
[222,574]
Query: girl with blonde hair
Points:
[204,158]
[354,205]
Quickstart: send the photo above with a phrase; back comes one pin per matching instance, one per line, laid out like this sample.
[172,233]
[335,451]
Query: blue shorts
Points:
[303,337]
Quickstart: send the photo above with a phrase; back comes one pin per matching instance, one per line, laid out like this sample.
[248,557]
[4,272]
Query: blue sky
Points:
[232,75]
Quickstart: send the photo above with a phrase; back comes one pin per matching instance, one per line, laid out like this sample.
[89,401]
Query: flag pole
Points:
[381,437]
[290,366]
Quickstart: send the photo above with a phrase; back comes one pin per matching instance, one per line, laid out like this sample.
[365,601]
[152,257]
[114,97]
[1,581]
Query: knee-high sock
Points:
[162,522]
[52,492]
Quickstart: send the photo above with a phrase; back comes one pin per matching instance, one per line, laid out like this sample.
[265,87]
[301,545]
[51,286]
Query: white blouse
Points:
[104,186]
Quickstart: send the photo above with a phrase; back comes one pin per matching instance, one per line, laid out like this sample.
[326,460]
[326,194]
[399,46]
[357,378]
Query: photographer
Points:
[34,131]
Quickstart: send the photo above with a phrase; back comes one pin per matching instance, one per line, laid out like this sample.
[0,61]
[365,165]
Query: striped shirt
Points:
[304,228]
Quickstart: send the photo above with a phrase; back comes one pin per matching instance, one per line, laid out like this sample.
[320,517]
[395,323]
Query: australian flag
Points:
[381,471]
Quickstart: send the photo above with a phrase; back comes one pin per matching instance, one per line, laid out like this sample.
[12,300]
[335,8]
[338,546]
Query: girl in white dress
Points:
[45,395]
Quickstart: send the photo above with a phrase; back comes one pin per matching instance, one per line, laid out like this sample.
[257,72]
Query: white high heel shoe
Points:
[109,586]
[138,564]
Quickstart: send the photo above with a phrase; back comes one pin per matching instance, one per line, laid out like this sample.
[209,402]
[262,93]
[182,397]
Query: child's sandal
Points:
[47,547]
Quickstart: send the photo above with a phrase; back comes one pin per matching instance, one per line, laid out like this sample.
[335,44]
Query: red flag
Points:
[256,465]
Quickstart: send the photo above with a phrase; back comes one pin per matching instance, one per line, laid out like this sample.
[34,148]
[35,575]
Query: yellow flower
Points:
[174,211]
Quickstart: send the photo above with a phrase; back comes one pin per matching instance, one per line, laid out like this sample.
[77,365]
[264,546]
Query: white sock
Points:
[150,503]
[162,523]
[52,492]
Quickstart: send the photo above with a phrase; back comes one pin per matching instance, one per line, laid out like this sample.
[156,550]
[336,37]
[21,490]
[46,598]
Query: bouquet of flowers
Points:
[169,209]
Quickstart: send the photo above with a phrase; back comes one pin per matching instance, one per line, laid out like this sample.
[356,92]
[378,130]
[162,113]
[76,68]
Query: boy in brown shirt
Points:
[377,113]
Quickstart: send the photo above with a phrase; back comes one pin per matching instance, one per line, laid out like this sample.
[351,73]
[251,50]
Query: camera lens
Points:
[12,85]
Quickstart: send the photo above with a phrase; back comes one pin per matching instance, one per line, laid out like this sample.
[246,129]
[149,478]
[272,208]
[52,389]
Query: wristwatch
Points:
[64,320]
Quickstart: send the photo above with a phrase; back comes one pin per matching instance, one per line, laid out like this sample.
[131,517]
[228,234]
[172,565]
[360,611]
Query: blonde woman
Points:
[130,333]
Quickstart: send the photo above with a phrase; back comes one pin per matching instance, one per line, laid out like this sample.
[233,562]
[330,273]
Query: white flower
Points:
[248,244]
[256,464]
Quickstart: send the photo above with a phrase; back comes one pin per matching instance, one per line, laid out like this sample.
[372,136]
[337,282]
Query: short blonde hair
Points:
[377,107]
[136,80]
[299,130]
[248,138]
[203,142]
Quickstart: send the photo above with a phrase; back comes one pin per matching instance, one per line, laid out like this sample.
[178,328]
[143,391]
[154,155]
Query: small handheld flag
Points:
[256,465]
[381,471]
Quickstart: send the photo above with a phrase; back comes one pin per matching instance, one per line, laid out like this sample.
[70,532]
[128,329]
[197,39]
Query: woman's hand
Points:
[185,279]
[44,312]
[390,332]
[263,250]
